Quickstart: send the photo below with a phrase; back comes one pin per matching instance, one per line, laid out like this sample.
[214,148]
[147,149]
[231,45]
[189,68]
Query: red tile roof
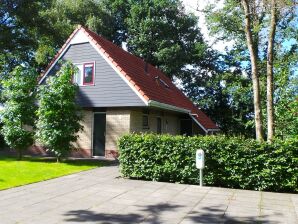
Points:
[152,85]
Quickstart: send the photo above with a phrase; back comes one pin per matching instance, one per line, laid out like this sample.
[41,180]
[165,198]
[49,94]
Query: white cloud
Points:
[196,7]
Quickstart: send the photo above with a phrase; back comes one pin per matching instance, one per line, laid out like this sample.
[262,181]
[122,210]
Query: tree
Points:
[20,26]
[271,37]
[226,98]
[163,34]
[286,92]
[62,17]
[252,44]
[58,114]
[33,30]
[251,22]
[19,109]
[277,7]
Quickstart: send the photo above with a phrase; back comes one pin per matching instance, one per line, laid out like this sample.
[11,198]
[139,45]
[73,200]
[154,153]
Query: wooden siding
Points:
[109,90]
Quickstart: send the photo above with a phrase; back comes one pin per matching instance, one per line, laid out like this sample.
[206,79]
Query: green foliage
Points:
[19,109]
[58,113]
[286,94]
[226,97]
[166,35]
[163,34]
[232,162]
[64,16]
[226,23]
[21,26]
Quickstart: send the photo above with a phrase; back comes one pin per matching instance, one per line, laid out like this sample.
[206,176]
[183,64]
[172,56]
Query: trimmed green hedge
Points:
[232,162]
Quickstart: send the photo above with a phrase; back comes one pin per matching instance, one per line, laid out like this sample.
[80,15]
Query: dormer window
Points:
[85,74]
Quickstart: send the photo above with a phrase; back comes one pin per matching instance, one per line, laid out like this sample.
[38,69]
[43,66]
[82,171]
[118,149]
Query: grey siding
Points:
[109,90]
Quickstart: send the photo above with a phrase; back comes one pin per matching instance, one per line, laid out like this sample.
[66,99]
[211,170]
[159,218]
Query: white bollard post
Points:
[201,177]
[200,163]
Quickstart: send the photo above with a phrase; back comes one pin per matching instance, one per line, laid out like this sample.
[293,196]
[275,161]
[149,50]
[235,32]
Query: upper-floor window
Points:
[85,74]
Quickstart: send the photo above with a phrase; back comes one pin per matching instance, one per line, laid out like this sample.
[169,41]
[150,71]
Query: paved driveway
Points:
[100,196]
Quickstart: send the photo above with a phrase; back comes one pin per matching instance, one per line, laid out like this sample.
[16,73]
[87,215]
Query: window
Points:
[158,131]
[77,78]
[85,74]
[145,122]
[88,75]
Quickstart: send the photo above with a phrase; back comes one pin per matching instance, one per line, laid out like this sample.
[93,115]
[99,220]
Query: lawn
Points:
[16,173]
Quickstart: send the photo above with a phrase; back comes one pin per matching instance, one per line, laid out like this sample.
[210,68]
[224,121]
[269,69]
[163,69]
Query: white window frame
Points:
[81,65]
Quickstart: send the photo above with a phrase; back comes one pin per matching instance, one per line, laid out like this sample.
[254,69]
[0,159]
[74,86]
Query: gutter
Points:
[207,130]
[213,129]
[153,103]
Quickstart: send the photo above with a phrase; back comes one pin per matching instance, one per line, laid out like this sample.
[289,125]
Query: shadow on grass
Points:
[159,213]
[73,162]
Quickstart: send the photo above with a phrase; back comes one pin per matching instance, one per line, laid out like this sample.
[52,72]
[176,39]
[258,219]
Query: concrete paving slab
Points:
[100,196]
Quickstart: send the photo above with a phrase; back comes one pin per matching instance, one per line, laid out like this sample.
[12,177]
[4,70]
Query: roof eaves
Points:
[197,122]
[58,53]
[154,103]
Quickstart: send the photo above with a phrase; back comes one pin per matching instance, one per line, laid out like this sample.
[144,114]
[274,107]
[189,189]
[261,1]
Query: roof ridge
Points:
[133,70]
[160,73]
[115,45]
[169,81]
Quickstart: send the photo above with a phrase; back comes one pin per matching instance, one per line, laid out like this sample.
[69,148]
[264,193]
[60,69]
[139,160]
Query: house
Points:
[120,93]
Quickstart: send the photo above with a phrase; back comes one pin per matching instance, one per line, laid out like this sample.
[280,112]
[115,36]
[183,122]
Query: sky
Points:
[195,6]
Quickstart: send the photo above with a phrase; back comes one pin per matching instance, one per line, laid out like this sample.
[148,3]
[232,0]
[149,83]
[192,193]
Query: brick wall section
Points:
[170,122]
[83,146]
[84,143]
[117,124]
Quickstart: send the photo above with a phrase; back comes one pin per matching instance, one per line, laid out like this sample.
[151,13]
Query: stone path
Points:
[100,196]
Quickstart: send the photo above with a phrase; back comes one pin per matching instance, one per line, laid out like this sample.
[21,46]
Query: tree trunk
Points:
[254,68]
[270,106]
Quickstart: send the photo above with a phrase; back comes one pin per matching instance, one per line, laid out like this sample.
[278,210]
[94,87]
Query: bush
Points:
[232,162]
[58,114]
[18,114]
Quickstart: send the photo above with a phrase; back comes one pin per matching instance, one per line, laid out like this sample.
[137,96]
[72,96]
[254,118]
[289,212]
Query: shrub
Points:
[232,162]
[18,114]
[58,114]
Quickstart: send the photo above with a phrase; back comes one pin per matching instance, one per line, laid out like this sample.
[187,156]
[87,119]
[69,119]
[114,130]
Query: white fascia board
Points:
[213,129]
[153,103]
[119,73]
[78,38]
[54,63]
[196,121]
[81,37]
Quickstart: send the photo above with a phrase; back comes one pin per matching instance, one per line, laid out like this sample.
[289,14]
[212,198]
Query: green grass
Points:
[30,170]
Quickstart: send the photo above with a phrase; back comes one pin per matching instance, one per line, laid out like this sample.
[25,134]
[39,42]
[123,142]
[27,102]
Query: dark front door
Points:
[186,127]
[99,132]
